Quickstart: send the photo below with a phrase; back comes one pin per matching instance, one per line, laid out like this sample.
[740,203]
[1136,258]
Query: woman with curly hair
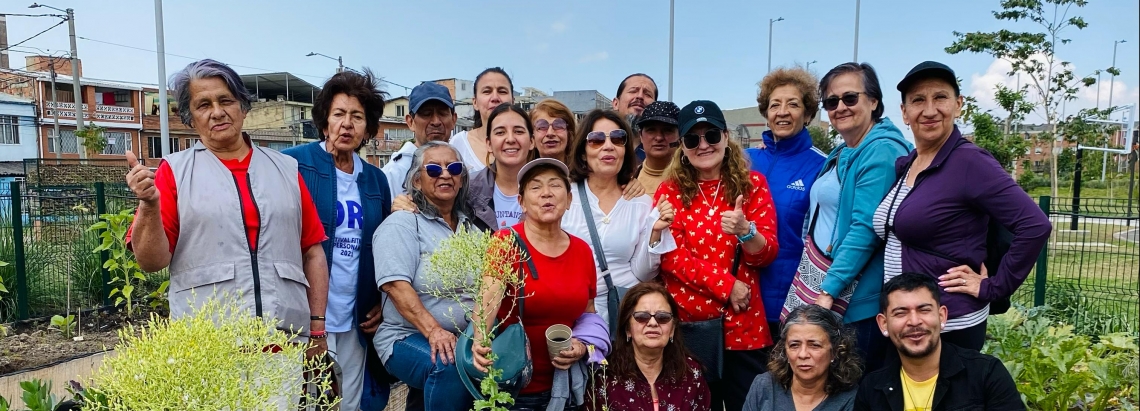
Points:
[725,230]
[814,366]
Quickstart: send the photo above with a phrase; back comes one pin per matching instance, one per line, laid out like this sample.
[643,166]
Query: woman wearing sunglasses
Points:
[553,126]
[724,215]
[649,368]
[417,339]
[856,176]
[628,236]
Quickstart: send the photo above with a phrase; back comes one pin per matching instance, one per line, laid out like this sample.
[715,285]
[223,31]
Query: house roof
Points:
[287,85]
[8,98]
[11,168]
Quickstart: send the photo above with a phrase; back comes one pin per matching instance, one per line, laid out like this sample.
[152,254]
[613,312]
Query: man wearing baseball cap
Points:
[657,127]
[431,118]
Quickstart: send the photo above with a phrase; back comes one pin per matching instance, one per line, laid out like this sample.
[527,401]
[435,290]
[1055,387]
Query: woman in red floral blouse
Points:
[720,204]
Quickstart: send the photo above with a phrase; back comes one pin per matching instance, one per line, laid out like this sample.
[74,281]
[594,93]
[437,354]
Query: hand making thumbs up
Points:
[141,180]
[733,222]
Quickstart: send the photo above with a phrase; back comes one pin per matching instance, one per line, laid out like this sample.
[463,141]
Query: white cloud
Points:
[983,85]
[559,26]
[599,56]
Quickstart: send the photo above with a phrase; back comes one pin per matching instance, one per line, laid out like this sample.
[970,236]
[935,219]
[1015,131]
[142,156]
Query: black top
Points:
[967,380]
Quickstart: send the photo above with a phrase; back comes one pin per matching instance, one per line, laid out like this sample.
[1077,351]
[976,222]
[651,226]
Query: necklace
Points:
[910,393]
[712,207]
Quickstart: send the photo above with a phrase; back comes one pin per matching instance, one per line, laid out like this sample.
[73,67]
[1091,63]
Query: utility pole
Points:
[75,84]
[55,112]
[770,23]
[856,57]
[163,99]
[671,50]
[339,64]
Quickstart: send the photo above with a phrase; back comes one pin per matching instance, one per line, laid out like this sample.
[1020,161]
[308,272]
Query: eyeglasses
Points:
[436,170]
[849,99]
[662,317]
[543,125]
[712,136]
[598,138]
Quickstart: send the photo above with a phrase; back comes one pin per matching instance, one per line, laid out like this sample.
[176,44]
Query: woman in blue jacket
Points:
[352,199]
[789,99]
[854,179]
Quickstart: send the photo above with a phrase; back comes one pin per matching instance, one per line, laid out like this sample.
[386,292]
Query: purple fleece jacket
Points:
[948,211]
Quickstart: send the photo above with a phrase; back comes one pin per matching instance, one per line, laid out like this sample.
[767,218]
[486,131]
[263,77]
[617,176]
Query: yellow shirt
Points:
[918,395]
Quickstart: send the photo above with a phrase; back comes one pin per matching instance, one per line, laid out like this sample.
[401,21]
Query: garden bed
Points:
[34,344]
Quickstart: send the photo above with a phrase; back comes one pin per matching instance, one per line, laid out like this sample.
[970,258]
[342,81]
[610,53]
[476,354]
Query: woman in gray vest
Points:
[416,340]
[229,217]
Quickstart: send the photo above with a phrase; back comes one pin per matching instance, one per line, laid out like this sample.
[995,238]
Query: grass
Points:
[1112,189]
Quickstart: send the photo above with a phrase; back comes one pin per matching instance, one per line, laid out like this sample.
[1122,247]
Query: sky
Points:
[720,48]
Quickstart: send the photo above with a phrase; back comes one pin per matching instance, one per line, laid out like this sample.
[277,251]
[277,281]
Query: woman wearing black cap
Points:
[936,218]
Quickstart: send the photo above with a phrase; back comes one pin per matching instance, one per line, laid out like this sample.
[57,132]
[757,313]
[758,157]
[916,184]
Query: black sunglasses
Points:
[436,170]
[662,317]
[557,124]
[598,138]
[712,136]
[849,99]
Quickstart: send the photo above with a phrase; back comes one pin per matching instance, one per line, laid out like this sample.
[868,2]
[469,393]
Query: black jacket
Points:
[967,380]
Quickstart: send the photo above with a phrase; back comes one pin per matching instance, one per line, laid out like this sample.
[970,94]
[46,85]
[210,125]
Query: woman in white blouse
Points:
[632,233]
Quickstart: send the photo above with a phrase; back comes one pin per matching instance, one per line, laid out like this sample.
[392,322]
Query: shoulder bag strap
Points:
[530,267]
[598,253]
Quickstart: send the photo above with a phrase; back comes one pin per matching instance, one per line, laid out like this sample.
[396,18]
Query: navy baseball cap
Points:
[700,111]
[428,91]
[929,69]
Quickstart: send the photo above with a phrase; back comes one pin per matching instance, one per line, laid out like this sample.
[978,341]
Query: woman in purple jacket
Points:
[936,218]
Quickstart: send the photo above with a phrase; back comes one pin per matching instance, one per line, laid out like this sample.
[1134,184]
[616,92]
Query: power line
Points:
[32,15]
[34,36]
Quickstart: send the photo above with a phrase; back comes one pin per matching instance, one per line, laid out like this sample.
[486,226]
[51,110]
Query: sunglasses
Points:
[712,136]
[849,99]
[436,170]
[543,125]
[598,138]
[662,317]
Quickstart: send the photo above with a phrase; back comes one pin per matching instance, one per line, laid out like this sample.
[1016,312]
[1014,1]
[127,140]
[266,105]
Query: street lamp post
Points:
[770,23]
[807,67]
[670,50]
[339,61]
[163,99]
[78,90]
[856,58]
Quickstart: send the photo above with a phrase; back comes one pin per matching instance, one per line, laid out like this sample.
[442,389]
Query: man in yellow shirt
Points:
[928,375]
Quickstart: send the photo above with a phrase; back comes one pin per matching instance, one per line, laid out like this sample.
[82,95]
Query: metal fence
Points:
[44,239]
[1089,272]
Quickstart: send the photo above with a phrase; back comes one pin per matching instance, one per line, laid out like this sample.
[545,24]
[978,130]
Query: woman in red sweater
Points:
[722,208]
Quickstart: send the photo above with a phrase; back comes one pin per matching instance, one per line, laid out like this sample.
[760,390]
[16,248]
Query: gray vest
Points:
[212,254]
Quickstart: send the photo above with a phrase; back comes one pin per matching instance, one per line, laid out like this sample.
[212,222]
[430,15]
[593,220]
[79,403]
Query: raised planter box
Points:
[78,369]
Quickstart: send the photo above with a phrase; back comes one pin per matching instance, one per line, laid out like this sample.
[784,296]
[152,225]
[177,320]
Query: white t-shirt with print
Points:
[345,250]
[508,211]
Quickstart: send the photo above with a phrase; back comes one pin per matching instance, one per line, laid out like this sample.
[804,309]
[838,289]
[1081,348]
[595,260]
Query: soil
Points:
[34,344]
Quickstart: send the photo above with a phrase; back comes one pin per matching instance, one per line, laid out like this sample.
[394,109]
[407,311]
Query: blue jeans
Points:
[411,362]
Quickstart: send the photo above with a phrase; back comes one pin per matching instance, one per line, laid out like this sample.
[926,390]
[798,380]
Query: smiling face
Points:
[656,138]
[552,141]
[545,197]
[809,351]
[605,161]
[216,114]
[651,335]
[850,121]
[785,111]
[510,139]
[639,92]
[346,124]
[930,108]
[706,158]
[913,322]
[434,122]
[440,191]
[492,89]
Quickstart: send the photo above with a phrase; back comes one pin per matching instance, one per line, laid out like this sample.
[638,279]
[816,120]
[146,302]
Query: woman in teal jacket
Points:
[854,179]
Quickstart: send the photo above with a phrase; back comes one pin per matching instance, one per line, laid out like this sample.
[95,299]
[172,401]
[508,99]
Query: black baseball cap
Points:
[700,111]
[929,69]
[661,111]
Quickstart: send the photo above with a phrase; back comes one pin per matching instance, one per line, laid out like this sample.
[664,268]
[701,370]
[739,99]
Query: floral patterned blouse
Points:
[610,393]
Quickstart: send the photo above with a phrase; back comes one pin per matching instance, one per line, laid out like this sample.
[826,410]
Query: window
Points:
[68,144]
[399,110]
[398,134]
[154,144]
[279,146]
[9,130]
[117,142]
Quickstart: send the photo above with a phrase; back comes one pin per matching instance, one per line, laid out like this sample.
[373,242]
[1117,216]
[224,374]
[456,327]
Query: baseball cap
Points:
[700,111]
[929,69]
[428,91]
[663,111]
[542,162]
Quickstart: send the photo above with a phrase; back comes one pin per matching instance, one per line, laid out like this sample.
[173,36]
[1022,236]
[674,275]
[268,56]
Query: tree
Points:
[821,139]
[1051,80]
[1006,148]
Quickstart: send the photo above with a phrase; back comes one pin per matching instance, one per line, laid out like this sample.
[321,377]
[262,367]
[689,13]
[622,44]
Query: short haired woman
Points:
[813,366]
[649,368]
[553,128]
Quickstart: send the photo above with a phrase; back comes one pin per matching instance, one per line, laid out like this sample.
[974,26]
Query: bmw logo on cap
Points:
[699,110]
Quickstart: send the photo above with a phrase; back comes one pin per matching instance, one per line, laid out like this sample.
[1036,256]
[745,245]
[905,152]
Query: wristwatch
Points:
[751,233]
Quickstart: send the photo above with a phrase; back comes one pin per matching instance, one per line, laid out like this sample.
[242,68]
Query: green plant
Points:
[37,395]
[124,269]
[218,357]
[94,138]
[464,265]
[65,325]
[1057,369]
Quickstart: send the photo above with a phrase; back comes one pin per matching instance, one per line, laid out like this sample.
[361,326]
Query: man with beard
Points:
[635,92]
[657,127]
[431,118]
[929,375]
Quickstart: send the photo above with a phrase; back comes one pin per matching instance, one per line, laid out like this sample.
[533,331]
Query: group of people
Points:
[694,274]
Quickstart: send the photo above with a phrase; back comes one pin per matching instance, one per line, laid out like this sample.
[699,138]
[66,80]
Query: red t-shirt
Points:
[312,232]
[698,272]
[565,285]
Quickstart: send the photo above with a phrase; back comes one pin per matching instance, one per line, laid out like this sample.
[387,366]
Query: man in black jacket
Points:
[928,375]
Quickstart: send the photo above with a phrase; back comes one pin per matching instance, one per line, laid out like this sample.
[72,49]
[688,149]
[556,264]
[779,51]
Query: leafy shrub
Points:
[1057,369]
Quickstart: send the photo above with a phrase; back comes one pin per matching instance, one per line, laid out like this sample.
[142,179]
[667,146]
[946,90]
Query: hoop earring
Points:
[685,159]
[628,338]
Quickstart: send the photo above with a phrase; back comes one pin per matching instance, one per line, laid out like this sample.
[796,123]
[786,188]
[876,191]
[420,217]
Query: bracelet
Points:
[318,335]
[317,318]
[751,233]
